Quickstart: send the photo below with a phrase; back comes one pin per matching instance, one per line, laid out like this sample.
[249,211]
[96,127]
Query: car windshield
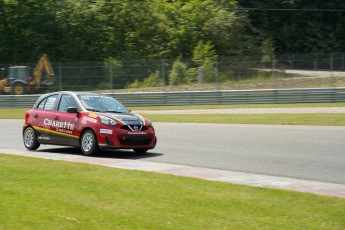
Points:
[100,103]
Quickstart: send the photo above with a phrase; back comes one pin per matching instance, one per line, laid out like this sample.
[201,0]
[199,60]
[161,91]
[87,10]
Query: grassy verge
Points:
[324,119]
[298,105]
[267,119]
[41,194]
[12,113]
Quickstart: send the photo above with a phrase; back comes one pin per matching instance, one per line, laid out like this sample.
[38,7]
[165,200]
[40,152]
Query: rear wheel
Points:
[18,88]
[140,150]
[88,143]
[30,140]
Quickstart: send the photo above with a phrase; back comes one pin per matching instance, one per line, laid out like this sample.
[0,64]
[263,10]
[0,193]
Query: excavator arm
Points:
[43,65]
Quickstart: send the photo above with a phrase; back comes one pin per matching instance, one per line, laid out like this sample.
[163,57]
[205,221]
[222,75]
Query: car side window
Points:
[48,103]
[42,103]
[65,102]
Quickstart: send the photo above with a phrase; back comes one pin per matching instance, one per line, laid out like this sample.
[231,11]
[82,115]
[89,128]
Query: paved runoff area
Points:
[320,188]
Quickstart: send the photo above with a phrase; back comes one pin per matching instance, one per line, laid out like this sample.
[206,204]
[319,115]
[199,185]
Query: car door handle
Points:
[56,118]
[35,116]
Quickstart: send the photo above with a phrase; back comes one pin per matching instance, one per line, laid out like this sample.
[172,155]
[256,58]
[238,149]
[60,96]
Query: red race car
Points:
[86,120]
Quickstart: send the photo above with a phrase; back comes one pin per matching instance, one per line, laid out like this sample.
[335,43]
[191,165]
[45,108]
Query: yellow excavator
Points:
[20,81]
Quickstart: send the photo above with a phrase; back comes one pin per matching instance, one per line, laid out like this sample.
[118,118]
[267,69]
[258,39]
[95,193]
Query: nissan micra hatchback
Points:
[86,120]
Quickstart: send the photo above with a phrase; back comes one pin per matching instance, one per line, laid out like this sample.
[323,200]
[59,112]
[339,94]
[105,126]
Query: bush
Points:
[178,73]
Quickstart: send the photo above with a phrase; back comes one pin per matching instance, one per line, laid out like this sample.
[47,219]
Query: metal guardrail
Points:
[18,101]
[267,96]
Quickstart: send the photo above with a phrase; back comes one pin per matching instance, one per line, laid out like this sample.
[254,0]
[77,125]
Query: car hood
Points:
[126,118]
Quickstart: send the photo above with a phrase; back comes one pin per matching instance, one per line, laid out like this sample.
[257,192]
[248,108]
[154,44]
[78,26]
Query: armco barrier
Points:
[19,101]
[267,96]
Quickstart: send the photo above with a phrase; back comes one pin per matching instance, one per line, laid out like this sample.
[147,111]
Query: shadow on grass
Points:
[118,153]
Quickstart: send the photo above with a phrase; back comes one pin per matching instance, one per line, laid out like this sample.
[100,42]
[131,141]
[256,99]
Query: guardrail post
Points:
[273,69]
[163,72]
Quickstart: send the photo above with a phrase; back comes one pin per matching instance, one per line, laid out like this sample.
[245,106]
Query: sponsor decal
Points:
[86,119]
[134,133]
[134,122]
[87,97]
[55,132]
[58,124]
[119,121]
[142,118]
[93,115]
[43,138]
[64,131]
[106,131]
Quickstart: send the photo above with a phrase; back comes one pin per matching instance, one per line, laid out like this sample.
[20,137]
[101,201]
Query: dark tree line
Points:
[97,30]
[297,26]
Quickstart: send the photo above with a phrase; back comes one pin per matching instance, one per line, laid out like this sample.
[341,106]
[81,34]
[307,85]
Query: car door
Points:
[65,124]
[42,118]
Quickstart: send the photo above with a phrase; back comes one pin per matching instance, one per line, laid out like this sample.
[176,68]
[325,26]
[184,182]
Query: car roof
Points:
[74,93]
[71,92]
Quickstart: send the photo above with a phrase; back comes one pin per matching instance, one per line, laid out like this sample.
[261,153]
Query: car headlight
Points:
[107,121]
[149,123]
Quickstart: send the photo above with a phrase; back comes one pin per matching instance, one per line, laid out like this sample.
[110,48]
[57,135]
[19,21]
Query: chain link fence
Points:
[222,73]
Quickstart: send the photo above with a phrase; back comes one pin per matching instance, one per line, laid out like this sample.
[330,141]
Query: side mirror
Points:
[72,110]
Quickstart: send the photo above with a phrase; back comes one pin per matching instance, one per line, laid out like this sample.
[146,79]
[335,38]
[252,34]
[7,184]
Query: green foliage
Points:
[191,75]
[178,73]
[135,84]
[267,51]
[99,30]
[204,51]
[122,29]
[299,31]
[154,80]
[232,33]
[205,56]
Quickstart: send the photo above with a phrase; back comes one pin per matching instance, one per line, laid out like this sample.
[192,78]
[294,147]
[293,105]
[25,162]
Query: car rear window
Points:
[48,103]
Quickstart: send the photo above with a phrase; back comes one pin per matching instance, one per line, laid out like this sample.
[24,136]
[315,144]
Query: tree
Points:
[232,34]
[205,56]
[178,73]
[298,29]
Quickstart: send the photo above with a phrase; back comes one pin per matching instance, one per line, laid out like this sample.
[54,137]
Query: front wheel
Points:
[30,140]
[89,145]
[19,88]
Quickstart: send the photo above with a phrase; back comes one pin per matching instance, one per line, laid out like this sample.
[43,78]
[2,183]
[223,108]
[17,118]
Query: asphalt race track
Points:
[302,152]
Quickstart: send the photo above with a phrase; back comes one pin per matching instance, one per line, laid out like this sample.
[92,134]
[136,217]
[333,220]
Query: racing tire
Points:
[140,150]
[88,143]
[30,140]
[19,88]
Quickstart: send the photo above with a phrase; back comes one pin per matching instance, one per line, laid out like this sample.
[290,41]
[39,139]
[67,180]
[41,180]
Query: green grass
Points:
[46,194]
[297,105]
[325,119]
[12,113]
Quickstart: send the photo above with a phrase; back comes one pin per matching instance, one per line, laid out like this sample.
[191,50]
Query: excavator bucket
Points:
[43,65]
[48,81]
